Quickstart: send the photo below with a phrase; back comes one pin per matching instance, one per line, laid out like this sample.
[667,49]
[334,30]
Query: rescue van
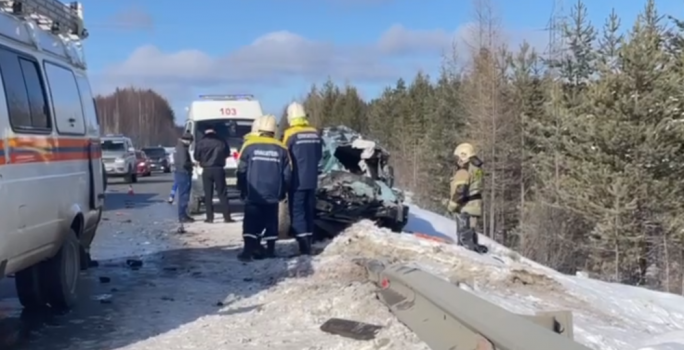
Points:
[231,116]
[50,156]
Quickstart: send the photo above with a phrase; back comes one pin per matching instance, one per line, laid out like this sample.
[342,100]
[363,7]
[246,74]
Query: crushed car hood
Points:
[355,181]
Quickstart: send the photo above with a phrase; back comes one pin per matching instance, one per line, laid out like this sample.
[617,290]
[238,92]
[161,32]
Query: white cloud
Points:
[399,40]
[278,57]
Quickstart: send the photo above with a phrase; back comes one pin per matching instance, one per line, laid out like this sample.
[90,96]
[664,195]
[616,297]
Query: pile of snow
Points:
[281,303]
[607,316]
[277,303]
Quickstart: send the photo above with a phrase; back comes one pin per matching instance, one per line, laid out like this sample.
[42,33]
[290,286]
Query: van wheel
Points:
[60,274]
[29,291]
[283,220]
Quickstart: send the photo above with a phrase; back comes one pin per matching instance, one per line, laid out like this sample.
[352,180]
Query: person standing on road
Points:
[263,175]
[211,152]
[182,177]
[304,145]
[466,194]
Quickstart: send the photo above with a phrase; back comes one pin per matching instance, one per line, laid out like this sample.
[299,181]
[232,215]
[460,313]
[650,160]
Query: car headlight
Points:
[119,160]
[141,164]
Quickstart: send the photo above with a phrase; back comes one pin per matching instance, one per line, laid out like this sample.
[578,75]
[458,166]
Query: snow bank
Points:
[279,303]
[607,316]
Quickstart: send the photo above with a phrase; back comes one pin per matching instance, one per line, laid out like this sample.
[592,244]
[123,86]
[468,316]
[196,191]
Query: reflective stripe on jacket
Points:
[264,170]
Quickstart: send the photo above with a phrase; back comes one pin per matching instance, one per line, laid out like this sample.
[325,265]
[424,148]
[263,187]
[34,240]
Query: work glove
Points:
[453,207]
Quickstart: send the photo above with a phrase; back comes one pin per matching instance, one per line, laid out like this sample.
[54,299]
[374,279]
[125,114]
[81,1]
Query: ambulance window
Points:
[40,118]
[66,99]
[25,95]
[88,102]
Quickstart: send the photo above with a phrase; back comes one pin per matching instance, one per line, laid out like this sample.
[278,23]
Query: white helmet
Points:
[295,110]
[464,152]
[255,125]
[267,123]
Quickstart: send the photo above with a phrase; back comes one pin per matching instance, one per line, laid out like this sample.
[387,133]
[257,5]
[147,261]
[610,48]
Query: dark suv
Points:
[159,160]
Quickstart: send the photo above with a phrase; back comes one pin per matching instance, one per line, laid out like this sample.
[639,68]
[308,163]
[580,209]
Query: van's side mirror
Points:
[131,149]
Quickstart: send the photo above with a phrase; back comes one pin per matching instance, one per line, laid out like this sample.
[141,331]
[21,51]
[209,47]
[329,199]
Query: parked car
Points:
[142,164]
[159,160]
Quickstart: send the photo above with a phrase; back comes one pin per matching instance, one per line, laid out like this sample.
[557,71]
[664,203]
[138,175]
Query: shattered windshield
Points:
[232,130]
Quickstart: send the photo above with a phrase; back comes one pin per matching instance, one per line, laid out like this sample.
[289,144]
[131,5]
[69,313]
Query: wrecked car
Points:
[354,183]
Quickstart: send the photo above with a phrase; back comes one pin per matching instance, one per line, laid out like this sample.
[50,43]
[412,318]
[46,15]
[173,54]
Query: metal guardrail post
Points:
[448,318]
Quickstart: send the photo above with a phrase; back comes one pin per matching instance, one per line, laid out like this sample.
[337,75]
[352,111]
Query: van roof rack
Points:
[228,97]
[50,15]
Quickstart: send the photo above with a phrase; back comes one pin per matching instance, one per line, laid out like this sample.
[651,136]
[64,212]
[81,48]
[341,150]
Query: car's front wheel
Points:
[283,220]
[129,178]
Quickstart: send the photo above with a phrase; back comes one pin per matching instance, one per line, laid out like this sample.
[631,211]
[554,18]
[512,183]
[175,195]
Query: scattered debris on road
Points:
[351,329]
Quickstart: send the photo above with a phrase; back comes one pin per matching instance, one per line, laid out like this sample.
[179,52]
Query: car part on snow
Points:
[446,317]
[466,235]
[351,329]
[354,183]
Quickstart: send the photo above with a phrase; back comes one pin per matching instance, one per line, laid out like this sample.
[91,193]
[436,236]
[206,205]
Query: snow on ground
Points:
[274,304]
[281,303]
[607,316]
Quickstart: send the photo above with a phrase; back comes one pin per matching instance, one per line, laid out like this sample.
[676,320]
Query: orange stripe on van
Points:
[41,149]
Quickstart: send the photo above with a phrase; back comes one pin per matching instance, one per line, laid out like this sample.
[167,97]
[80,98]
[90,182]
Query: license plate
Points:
[231,181]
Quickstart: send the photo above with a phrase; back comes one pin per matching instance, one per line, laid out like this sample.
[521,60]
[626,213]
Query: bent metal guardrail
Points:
[448,318]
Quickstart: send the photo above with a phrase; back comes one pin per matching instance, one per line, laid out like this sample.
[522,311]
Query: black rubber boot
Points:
[270,249]
[259,252]
[248,250]
[304,245]
[468,239]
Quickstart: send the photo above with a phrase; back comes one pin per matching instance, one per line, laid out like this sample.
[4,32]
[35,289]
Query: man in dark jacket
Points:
[305,148]
[211,152]
[263,176]
[183,176]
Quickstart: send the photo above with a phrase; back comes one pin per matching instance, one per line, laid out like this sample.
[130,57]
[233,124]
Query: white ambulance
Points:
[231,116]
[50,156]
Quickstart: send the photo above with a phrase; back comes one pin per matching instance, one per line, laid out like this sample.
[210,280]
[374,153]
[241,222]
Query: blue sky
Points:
[276,49]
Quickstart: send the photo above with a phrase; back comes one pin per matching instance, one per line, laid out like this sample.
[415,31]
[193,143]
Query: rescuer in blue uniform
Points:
[263,175]
[304,145]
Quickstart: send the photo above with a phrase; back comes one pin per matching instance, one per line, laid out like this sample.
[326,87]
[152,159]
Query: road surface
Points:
[138,227]
[191,292]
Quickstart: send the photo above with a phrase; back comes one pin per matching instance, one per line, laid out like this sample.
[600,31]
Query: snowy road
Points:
[192,293]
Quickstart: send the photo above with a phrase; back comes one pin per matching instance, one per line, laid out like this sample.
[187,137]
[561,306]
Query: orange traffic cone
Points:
[130,190]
